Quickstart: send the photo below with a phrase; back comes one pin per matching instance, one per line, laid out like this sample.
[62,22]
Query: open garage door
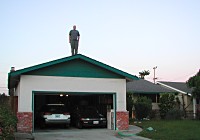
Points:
[102,102]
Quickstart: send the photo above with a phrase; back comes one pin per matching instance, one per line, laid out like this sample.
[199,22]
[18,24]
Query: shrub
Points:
[198,114]
[129,102]
[174,114]
[8,120]
[152,114]
[143,107]
[167,103]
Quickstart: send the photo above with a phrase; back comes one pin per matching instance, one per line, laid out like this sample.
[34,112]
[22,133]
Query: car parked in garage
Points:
[88,117]
[55,114]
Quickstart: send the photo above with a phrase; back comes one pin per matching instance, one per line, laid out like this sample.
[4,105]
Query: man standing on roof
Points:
[74,37]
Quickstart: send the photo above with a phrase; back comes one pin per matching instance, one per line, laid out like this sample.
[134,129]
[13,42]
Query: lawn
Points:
[171,130]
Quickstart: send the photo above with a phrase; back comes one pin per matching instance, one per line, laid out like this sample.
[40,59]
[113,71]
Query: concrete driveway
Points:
[86,134]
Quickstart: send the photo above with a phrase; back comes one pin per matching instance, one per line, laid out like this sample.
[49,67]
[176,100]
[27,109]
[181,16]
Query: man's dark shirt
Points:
[74,34]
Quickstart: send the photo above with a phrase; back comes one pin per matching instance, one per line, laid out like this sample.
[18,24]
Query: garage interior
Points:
[102,102]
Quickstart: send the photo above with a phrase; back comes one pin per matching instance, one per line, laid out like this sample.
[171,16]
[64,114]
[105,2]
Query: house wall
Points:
[190,103]
[29,83]
[155,106]
[69,84]
[187,100]
[17,90]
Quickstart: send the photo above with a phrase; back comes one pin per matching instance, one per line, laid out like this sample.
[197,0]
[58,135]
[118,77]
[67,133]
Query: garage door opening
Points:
[72,101]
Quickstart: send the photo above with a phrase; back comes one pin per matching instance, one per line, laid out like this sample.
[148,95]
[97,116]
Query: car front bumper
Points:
[102,123]
[57,121]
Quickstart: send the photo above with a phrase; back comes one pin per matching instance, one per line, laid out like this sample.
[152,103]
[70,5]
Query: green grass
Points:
[171,130]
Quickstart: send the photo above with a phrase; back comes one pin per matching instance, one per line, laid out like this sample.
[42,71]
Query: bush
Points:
[152,114]
[174,114]
[198,114]
[167,103]
[143,107]
[129,103]
[8,120]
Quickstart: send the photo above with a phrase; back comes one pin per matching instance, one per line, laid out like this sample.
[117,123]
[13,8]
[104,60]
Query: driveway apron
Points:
[85,134]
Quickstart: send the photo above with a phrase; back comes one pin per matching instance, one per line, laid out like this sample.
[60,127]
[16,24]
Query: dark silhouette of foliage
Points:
[144,73]
[8,120]
[167,103]
[143,107]
[194,83]
[129,102]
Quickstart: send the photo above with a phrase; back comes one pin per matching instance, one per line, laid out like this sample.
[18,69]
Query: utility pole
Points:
[154,76]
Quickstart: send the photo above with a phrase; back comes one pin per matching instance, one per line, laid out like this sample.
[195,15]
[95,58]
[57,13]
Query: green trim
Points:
[39,66]
[126,134]
[33,118]
[75,68]
[115,110]
[97,70]
[67,59]
[149,92]
[70,93]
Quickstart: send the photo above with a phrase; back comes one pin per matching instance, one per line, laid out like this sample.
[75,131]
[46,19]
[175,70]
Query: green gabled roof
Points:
[46,68]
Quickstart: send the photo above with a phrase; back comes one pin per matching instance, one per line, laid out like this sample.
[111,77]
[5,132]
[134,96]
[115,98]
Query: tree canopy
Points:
[194,83]
[144,73]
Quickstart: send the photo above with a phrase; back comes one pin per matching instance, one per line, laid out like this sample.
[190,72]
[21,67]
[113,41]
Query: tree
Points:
[183,105]
[194,83]
[8,120]
[129,102]
[144,73]
[143,107]
[167,103]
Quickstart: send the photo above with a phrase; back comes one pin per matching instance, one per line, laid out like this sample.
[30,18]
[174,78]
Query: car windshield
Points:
[89,112]
[55,108]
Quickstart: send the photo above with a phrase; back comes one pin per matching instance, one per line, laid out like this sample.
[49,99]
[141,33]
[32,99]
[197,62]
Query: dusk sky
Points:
[130,35]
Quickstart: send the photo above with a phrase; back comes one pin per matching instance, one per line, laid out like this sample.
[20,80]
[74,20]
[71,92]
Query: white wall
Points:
[189,103]
[155,106]
[69,84]
[187,100]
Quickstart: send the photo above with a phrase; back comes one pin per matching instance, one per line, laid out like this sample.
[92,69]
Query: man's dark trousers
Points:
[74,47]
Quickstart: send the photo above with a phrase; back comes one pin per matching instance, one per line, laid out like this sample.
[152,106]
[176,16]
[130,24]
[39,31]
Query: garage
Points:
[70,81]
[102,102]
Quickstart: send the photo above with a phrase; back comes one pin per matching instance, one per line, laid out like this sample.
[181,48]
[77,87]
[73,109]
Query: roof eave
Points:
[16,74]
[141,92]
[79,56]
